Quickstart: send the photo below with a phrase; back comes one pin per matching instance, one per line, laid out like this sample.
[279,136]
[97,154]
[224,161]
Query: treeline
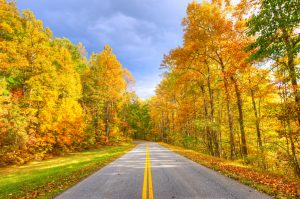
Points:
[53,99]
[232,89]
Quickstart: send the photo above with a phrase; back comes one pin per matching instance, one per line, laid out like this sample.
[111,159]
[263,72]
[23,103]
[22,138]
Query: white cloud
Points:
[145,86]
[140,32]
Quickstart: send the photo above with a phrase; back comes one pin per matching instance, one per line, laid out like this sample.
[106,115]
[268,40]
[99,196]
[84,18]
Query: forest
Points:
[231,90]
[53,98]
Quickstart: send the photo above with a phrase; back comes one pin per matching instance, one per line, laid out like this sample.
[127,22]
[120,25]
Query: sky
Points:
[139,31]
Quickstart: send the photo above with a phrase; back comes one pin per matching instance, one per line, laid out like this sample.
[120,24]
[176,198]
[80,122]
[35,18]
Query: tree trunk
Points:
[292,71]
[293,77]
[241,116]
[106,120]
[207,128]
[212,113]
[294,158]
[229,113]
[257,121]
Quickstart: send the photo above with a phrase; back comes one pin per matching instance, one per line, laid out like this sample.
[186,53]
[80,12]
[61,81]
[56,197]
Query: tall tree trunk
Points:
[293,77]
[173,121]
[292,71]
[229,113]
[219,120]
[162,133]
[195,132]
[106,120]
[212,112]
[239,102]
[294,158]
[207,128]
[257,121]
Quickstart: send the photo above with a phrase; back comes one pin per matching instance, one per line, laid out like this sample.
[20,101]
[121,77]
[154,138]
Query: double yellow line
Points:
[147,177]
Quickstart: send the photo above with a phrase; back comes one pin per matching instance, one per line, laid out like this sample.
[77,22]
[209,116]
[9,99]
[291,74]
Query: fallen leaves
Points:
[277,185]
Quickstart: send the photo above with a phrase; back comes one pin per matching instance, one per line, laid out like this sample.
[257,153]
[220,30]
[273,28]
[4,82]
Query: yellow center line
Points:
[144,195]
[150,176]
[147,177]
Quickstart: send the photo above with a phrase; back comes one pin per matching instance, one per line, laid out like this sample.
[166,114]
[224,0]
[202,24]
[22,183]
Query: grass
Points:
[278,186]
[48,178]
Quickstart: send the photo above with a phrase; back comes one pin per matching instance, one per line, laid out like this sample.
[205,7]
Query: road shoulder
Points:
[274,185]
[48,178]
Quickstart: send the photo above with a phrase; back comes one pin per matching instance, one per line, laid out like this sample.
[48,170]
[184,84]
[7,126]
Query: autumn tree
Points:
[275,26]
[214,99]
[104,88]
[51,93]
[211,40]
[13,126]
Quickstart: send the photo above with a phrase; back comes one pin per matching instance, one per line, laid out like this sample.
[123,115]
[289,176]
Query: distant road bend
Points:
[151,171]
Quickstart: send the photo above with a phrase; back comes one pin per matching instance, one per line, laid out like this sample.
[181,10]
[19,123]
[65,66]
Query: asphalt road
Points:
[166,176]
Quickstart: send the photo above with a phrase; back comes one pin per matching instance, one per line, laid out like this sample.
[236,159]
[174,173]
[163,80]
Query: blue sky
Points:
[139,31]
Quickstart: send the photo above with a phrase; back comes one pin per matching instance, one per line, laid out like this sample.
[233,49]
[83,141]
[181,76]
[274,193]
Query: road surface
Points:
[151,171]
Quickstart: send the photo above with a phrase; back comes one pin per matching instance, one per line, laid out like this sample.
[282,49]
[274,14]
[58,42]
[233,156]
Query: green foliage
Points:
[137,116]
[276,27]
[275,24]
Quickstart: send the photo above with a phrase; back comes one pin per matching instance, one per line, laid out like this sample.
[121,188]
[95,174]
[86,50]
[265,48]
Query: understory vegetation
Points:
[273,184]
[231,90]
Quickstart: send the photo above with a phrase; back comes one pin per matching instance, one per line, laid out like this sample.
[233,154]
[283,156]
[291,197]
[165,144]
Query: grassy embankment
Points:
[275,185]
[45,179]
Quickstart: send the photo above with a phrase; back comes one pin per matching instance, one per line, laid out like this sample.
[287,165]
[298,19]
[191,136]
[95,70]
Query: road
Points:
[151,171]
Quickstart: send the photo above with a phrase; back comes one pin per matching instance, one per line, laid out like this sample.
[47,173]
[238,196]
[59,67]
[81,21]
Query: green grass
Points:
[45,179]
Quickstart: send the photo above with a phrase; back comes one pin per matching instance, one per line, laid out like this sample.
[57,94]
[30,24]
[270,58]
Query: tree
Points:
[217,39]
[104,88]
[11,29]
[211,99]
[52,98]
[275,26]
[137,116]
[13,125]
